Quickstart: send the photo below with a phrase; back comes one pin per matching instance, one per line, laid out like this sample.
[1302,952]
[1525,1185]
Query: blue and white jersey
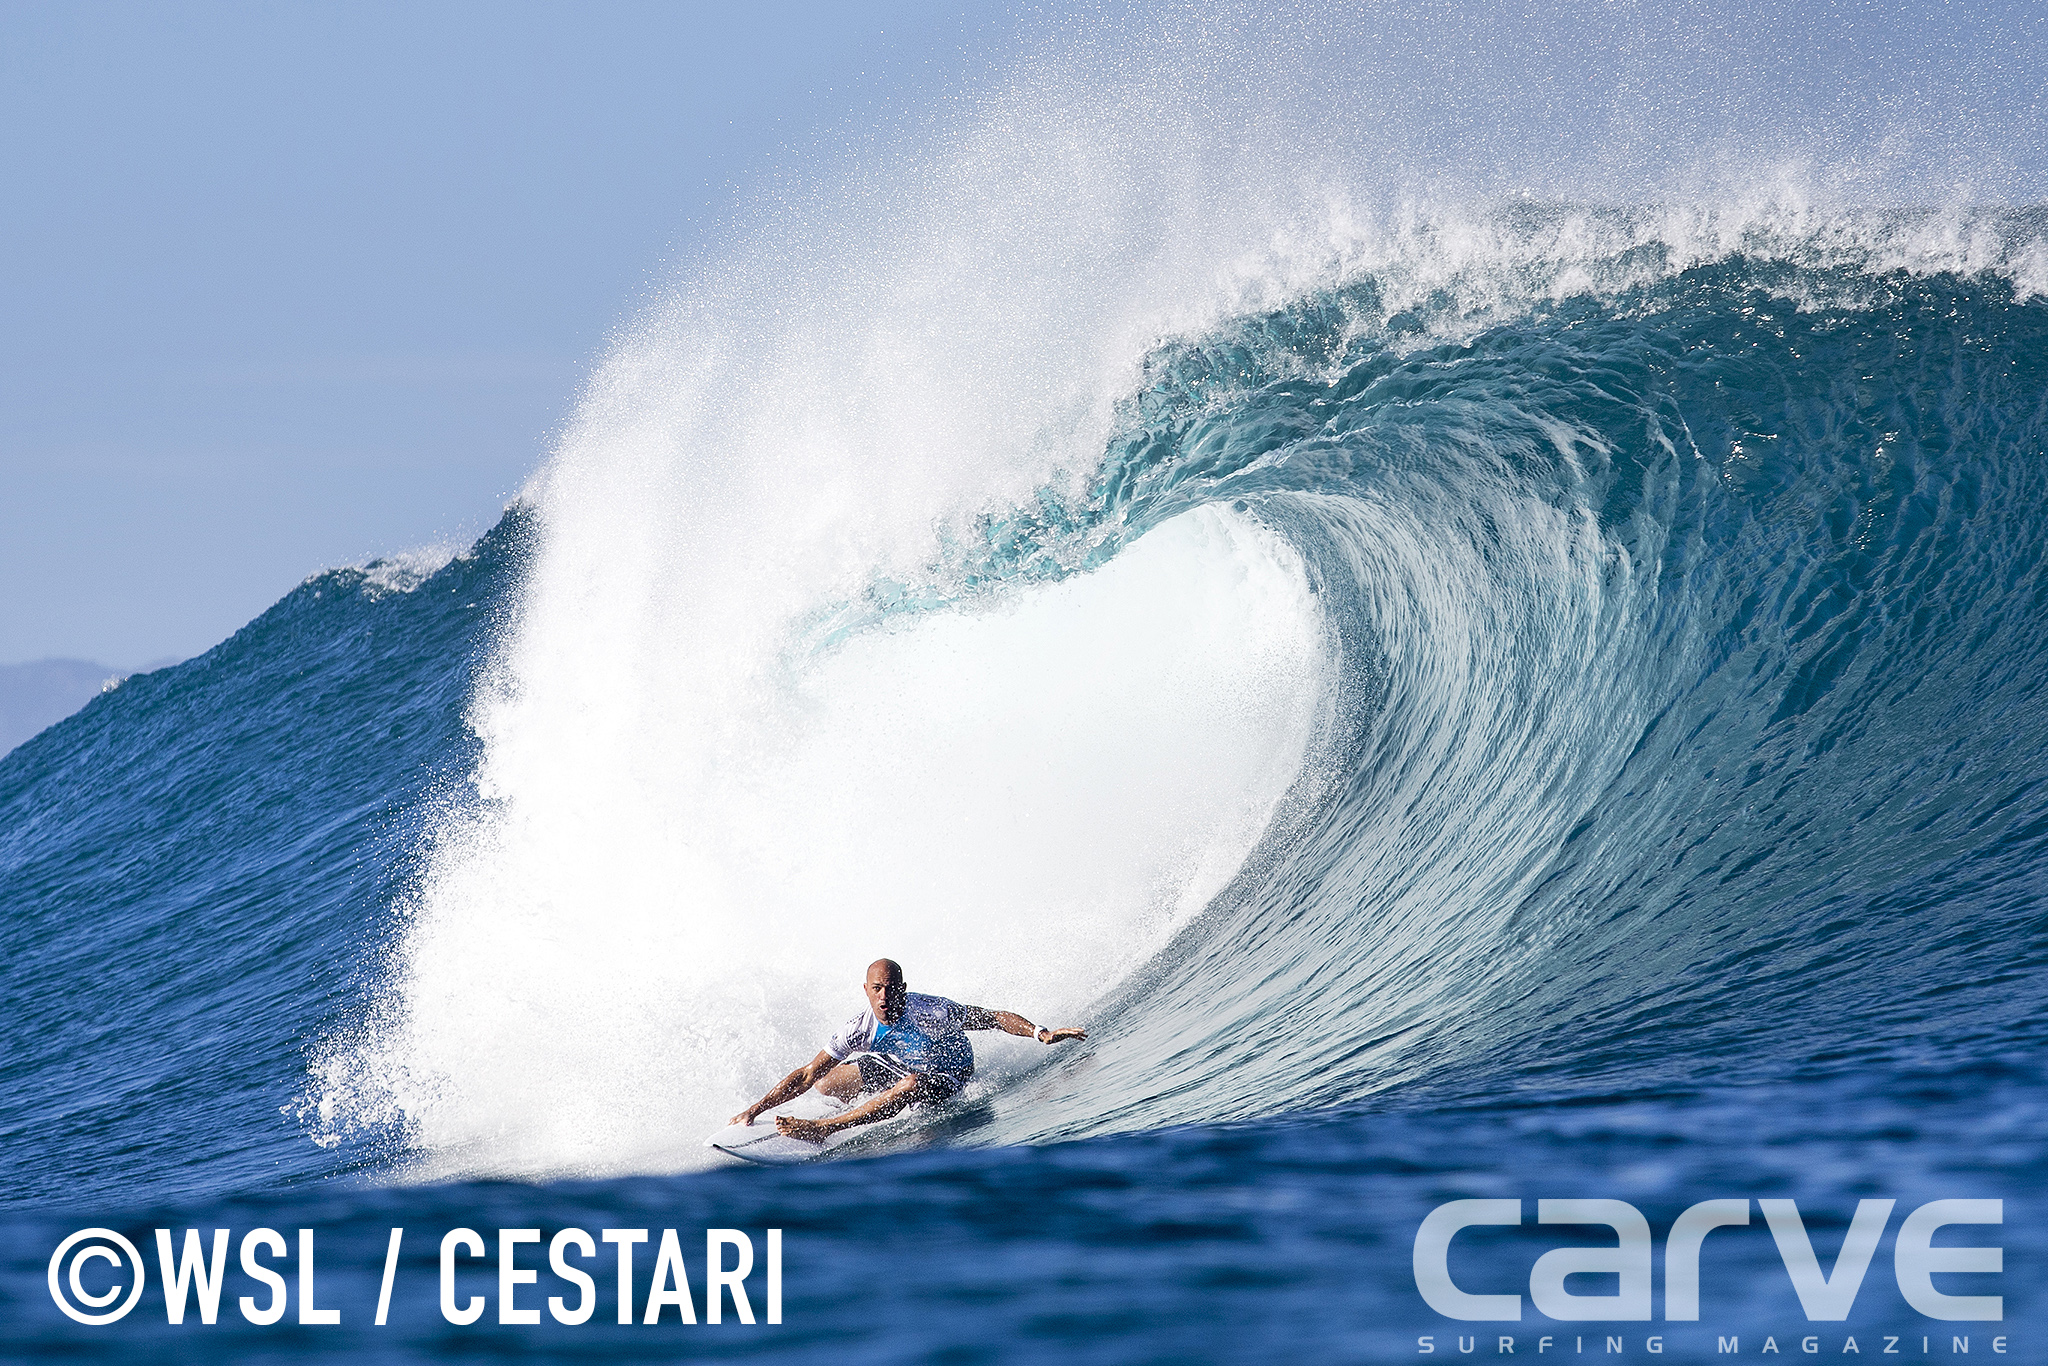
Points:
[927,1039]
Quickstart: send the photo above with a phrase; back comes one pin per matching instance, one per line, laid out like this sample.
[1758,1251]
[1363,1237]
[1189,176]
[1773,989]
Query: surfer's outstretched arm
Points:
[790,1087]
[980,1017]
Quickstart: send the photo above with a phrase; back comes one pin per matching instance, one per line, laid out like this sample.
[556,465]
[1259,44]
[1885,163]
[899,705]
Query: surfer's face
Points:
[885,995]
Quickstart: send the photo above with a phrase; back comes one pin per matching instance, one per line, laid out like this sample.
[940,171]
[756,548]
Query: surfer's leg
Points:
[879,1105]
[885,1103]
[878,1073]
[843,1082]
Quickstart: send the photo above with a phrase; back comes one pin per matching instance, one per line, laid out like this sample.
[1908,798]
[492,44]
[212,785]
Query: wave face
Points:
[1696,631]
[1560,672]
[199,864]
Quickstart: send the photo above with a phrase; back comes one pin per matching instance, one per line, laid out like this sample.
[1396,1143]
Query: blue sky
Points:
[290,286]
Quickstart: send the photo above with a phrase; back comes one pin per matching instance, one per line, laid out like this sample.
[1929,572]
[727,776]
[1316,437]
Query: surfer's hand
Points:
[744,1117]
[1059,1035]
[809,1130]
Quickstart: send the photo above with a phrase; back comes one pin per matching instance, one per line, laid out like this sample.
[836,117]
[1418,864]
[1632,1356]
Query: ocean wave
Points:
[1414,695]
[1590,568]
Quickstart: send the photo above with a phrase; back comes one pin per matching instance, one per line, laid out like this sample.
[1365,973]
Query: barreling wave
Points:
[1698,736]
[1523,661]
[1520,652]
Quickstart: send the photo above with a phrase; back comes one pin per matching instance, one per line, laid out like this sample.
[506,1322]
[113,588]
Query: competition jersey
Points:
[927,1039]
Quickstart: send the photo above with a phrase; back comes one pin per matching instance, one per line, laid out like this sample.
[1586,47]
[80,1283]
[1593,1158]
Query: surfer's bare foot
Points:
[809,1130]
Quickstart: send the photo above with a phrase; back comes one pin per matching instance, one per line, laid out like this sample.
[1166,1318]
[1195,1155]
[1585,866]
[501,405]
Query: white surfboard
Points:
[762,1142]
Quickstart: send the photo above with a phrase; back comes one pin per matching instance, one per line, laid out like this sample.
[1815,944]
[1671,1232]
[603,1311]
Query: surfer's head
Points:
[885,989]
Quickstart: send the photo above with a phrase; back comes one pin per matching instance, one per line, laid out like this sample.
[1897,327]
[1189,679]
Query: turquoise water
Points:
[1671,827]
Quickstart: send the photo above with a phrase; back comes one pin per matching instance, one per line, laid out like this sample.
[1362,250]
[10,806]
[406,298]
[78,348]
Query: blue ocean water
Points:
[1675,830]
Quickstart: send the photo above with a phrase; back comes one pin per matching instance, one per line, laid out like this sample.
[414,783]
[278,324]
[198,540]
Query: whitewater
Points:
[1453,690]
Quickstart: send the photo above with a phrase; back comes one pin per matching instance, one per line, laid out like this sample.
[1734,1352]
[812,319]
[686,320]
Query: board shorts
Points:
[878,1073]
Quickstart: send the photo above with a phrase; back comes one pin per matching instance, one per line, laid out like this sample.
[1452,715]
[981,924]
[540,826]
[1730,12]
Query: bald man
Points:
[906,1047]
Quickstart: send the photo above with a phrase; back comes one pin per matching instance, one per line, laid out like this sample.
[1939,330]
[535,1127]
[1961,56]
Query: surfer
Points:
[911,1048]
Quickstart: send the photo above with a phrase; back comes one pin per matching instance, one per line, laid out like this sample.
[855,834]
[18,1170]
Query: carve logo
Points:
[1824,1297]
